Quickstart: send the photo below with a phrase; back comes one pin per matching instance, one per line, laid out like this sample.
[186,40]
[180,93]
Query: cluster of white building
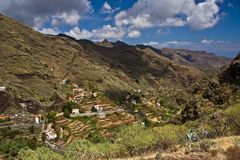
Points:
[50,133]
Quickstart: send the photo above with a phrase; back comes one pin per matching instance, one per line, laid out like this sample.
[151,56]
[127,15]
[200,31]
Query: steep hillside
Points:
[32,65]
[142,69]
[214,94]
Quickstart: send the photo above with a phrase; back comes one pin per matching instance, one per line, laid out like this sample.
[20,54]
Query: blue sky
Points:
[211,25]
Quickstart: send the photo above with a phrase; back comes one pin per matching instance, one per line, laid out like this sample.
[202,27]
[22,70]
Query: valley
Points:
[79,99]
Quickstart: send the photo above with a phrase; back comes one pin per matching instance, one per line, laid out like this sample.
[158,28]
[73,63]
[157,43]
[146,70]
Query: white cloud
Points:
[71,18]
[49,31]
[211,41]
[106,31]
[204,15]
[35,13]
[152,43]
[139,21]
[134,34]
[79,34]
[215,46]
[163,31]
[107,8]
[206,41]
[174,44]
[170,13]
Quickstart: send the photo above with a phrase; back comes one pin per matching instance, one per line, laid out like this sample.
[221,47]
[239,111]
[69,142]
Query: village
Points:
[89,114]
[85,114]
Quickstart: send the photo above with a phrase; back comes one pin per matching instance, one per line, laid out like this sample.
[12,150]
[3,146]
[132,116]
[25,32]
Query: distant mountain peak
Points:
[120,43]
[105,41]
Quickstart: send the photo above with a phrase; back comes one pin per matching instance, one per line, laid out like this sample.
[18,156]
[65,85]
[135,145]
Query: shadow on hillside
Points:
[127,59]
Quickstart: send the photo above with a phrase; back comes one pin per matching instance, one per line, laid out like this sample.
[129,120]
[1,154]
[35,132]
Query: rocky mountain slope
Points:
[232,74]
[33,65]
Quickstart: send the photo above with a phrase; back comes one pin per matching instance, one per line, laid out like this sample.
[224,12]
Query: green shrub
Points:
[42,153]
[169,135]
[96,137]
[84,149]
[67,108]
[136,139]
[8,132]
[31,129]
[66,113]
[130,140]
[11,148]
[51,116]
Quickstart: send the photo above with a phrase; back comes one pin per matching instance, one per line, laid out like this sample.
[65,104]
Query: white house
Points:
[75,111]
[95,94]
[3,88]
[50,133]
[37,120]
[98,108]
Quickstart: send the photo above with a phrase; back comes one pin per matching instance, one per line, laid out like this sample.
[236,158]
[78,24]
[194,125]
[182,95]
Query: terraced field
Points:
[79,128]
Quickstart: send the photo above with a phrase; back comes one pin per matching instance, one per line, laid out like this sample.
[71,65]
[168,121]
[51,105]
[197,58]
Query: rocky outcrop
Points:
[232,74]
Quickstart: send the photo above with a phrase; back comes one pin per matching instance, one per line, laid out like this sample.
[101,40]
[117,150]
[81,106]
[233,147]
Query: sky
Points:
[210,25]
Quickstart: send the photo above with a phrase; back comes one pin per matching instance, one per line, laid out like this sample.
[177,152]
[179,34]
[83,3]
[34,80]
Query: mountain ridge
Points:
[40,62]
